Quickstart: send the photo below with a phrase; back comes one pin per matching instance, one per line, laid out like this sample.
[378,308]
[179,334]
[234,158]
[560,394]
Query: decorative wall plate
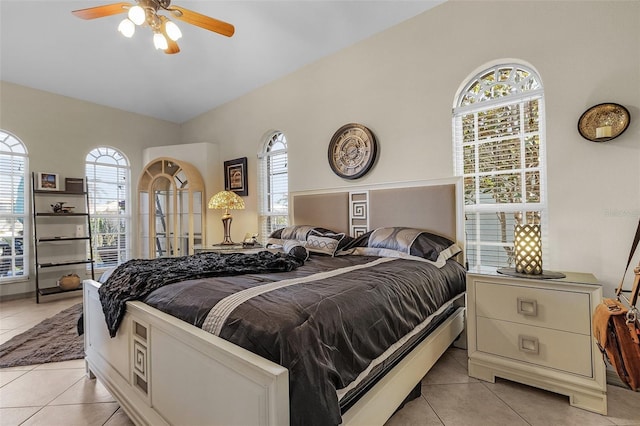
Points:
[603,122]
[352,151]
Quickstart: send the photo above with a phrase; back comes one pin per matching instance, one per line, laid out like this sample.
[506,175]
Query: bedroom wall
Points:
[401,84]
[59,132]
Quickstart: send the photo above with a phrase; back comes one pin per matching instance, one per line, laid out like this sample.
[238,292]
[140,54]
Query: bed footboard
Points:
[164,371]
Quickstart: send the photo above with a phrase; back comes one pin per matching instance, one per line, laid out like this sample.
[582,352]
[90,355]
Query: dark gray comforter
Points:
[136,278]
[327,331]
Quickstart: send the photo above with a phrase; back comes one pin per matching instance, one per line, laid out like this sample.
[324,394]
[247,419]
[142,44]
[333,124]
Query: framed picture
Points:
[47,181]
[235,176]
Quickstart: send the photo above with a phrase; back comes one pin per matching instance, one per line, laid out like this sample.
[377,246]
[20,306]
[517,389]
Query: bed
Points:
[164,370]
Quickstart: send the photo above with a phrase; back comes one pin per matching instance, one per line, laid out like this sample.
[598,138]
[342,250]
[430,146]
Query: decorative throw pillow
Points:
[434,247]
[415,242]
[295,249]
[323,243]
[296,233]
[276,234]
[396,238]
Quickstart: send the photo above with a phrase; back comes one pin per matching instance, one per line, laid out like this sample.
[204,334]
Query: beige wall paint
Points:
[402,83]
[60,131]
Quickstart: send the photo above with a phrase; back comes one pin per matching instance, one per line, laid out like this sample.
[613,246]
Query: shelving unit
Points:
[62,240]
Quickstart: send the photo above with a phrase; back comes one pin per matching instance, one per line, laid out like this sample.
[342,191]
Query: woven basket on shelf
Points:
[69,282]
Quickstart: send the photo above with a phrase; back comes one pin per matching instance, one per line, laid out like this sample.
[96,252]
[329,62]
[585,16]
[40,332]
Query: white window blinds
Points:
[499,151]
[273,185]
[107,173]
[14,220]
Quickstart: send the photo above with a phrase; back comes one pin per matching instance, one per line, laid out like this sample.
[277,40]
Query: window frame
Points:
[120,163]
[481,96]
[268,219]
[11,146]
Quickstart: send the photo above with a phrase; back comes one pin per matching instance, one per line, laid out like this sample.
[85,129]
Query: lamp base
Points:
[545,275]
[226,223]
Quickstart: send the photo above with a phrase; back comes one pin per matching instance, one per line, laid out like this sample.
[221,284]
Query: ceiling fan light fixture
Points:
[172,31]
[127,28]
[137,15]
[151,13]
[160,42]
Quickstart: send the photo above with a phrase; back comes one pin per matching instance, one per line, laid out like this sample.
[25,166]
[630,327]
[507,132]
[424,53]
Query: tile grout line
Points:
[16,378]
[69,387]
[432,409]
[111,416]
[36,412]
[504,402]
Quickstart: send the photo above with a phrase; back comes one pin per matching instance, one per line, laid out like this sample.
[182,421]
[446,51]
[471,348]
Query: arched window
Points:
[108,172]
[273,180]
[499,146]
[14,220]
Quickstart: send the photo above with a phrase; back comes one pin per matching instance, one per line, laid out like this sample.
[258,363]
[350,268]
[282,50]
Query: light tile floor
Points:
[61,394]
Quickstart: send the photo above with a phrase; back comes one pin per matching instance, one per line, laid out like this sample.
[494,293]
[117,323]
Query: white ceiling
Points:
[42,45]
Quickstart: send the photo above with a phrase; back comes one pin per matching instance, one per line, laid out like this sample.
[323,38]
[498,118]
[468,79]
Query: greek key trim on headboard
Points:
[358,213]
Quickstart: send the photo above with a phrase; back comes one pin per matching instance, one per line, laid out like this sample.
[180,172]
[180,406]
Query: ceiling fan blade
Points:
[202,21]
[173,47]
[101,11]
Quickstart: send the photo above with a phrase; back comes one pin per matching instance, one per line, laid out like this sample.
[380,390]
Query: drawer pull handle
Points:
[528,344]
[528,307]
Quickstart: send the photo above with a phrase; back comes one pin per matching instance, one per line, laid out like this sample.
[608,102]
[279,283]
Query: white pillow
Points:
[323,243]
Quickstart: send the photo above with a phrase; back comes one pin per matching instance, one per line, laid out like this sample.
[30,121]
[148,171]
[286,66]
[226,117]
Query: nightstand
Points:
[537,332]
[229,248]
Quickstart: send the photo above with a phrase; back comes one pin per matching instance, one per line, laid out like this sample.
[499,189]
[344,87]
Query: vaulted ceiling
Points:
[42,45]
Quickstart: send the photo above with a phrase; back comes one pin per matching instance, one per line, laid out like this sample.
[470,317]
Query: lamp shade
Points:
[127,28]
[172,30]
[528,249]
[226,200]
[137,15]
[160,42]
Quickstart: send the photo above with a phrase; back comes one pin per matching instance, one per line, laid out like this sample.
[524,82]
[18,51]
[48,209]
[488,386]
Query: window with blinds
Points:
[273,185]
[499,151]
[14,220]
[107,173]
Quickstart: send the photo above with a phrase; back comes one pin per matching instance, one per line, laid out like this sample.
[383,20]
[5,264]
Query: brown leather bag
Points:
[616,328]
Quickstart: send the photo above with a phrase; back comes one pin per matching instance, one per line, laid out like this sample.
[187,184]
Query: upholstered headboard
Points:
[435,206]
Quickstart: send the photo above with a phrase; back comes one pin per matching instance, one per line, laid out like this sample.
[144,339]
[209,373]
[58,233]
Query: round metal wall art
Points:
[352,151]
[603,122]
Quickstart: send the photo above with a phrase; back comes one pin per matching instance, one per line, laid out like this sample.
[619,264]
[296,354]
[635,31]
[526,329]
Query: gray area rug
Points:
[53,340]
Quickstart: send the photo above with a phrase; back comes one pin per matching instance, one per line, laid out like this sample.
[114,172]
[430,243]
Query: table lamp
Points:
[528,248]
[226,200]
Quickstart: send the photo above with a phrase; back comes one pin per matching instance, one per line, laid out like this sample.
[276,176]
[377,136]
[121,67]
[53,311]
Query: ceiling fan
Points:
[146,12]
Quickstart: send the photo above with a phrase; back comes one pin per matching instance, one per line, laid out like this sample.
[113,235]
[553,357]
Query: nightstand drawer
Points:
[560,350]
[558,310]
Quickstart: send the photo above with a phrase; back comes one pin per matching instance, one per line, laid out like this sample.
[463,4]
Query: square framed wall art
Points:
[235,176]
[47,181]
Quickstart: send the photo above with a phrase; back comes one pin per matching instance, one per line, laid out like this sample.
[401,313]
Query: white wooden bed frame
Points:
[165,371]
